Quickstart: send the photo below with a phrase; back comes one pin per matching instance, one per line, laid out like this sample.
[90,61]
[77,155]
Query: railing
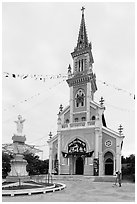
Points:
[43,178]
[79,124]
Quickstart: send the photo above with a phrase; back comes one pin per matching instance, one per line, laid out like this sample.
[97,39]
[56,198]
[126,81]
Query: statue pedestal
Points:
[18,169]
[18,164]
[19,139]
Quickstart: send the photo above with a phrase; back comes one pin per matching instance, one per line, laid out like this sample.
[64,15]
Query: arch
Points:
[83,118]
[108,163]
[67,120]
[76,120]
[76,137]
[109,150]
[76,146]
[93,117]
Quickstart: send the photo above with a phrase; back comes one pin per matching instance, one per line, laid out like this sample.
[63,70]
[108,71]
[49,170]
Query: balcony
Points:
[78,124]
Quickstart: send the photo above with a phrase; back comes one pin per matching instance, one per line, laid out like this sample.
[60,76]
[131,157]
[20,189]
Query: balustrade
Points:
[78,124]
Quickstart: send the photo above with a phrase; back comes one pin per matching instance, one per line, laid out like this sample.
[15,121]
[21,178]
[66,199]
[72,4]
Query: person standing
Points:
[119,178]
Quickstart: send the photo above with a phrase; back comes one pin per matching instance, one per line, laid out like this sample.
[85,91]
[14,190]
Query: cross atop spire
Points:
[82,9]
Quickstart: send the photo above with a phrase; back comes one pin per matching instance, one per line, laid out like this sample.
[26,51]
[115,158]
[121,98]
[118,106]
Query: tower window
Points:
[76,120]
[80,98]
[67,120]
[83,118]
[93,117]
[82,65]
[79,65]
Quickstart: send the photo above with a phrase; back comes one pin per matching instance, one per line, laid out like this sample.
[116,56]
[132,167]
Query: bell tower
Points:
[82,80]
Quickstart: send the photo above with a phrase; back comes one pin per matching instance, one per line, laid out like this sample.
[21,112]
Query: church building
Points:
[83,143]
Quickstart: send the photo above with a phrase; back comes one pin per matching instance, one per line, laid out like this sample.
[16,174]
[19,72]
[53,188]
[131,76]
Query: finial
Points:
[120,129]
[50,135]
[60,108]
[69,68]
[101,101]
[82,9]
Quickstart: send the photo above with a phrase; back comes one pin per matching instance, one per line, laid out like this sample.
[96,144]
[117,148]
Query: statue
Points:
[19,124]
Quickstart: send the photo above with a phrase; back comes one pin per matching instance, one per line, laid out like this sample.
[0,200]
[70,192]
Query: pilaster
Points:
[88,100]
[71,104]
[98,139]
[118,154]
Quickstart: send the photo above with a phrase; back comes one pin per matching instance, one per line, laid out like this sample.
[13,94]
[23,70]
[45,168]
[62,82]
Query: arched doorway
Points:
[109,165]
[79,166]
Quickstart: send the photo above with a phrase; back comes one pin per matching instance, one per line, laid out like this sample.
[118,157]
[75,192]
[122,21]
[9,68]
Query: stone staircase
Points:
[82,177]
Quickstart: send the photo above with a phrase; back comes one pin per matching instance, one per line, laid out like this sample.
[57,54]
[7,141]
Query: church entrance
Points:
[109,166]
[79,166]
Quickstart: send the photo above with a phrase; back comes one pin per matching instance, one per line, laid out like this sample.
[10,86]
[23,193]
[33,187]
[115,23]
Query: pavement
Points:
[82,190]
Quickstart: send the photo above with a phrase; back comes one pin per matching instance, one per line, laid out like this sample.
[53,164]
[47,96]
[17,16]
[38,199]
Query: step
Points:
[82,177]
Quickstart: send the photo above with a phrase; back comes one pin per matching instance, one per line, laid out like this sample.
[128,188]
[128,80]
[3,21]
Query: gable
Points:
[108,142]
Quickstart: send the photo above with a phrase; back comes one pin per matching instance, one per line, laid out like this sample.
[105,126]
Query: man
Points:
[118,178]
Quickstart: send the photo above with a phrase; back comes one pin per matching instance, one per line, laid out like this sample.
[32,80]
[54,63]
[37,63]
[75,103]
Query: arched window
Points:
[76,120]
[79,66]
[67,120]
[82,65]
[93,117]
[83,118]
[80,98]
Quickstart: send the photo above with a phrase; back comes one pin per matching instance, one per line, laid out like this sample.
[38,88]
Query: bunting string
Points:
[58,76]
[116,107]
[33,76]
[33,96]
[116,88]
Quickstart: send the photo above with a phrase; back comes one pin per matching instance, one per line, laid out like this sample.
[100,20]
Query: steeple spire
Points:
[82,38]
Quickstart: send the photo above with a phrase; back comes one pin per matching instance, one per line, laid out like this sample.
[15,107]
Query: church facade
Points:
[83,143]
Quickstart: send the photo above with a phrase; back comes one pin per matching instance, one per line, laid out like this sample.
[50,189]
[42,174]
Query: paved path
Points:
[83,191]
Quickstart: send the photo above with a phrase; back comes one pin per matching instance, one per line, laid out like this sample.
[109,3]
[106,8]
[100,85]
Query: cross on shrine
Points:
[120,129]
[82,9]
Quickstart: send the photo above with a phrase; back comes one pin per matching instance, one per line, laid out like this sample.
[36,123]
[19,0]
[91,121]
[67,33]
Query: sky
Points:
[38,38]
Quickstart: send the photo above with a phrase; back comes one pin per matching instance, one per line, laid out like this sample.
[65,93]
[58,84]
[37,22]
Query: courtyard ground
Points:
[83,190]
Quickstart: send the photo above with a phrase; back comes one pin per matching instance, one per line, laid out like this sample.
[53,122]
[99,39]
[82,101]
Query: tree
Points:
[36,166]
[128,166]
[6,164]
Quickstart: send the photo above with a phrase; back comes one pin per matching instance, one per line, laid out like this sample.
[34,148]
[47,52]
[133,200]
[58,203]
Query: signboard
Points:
[77,146]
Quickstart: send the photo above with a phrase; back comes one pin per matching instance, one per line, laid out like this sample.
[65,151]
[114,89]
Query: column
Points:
[118,154]
[114,167]
[50,158]
[100,164]
[98,139]
[96,142]
[59,153]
